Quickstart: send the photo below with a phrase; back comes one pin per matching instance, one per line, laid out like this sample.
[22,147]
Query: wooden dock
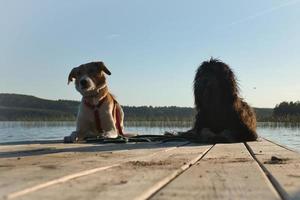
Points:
[171,170]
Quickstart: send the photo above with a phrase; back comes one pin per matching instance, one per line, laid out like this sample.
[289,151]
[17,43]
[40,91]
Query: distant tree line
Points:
[149,113]
[287,112]
[15,107]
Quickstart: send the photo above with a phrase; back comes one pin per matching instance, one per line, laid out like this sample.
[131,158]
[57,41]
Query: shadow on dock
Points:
[56,146]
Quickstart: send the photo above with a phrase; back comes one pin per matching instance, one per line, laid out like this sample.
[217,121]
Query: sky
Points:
[152,48]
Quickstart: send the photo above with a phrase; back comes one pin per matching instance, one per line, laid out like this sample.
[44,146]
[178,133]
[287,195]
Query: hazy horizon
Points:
[152,48]
[122,104]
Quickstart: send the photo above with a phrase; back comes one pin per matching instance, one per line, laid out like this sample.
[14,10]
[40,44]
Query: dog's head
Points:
[89,77]
[214,85]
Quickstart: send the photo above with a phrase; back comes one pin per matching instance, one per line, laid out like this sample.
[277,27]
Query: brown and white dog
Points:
[99,113]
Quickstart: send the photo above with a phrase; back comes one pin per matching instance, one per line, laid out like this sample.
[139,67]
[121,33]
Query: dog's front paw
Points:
[228,135]
[171,133]
[207,135]
[110,134]
[188,134]
[206,132]
[71,138]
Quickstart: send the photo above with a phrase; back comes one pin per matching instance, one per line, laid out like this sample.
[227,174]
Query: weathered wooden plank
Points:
[281,165]
[32,145]
[18,173]
[35,150]
[36,145]
[127,181]
[227,172]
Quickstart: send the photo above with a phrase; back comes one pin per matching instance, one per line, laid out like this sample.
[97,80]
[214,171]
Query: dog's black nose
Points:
[83,83]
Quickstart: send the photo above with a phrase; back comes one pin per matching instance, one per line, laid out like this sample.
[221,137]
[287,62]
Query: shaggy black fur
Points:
[222,116]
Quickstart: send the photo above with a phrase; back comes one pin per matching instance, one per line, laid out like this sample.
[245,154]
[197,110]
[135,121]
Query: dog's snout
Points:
[84,83]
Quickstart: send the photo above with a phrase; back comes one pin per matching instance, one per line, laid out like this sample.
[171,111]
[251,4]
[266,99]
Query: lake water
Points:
[285,134]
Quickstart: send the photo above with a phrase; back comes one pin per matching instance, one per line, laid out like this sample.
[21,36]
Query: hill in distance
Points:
[17,107]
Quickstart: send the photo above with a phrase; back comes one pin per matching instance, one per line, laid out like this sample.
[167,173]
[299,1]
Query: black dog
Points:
[222,116]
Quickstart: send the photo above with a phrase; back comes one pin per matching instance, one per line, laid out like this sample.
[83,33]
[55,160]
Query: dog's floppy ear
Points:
[102,67]
[72,75]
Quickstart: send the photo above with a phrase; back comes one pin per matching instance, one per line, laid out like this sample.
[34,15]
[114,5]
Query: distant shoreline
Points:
[126,120]
[16,107]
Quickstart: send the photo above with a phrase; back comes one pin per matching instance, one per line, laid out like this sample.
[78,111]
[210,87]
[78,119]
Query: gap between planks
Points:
[165,181]
[281,192]
[280,145]
[77,175]
[281,165]
[227,171]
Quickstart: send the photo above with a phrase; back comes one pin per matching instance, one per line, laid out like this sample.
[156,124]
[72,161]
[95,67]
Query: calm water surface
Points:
[286,134]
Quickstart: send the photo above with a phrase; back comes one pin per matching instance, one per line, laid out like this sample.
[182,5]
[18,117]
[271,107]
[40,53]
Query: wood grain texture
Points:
[227,172]
[25,169]
[282,166]
[172,170]
[128,181]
